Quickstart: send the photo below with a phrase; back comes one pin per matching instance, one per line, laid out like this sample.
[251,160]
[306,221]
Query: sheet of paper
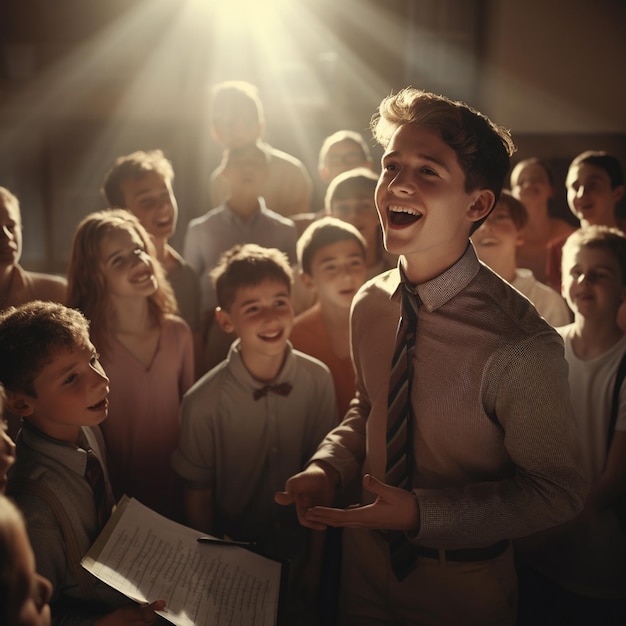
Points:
[148,557]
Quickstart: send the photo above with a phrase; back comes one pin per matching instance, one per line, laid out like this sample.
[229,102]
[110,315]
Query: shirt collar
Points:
[436,292]
[71,456]
[244,377]
[235,219]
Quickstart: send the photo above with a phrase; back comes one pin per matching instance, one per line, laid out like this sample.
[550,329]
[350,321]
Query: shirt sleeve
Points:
[48,544]
[527,393]
[194,460]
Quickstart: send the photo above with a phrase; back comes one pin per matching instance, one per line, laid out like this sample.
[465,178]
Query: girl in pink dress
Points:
[146,350]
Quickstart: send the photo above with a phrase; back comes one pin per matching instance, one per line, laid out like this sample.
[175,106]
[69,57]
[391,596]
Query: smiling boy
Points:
[331,254]
[256,418]
[577,574]
[243,218]
[54,380]
[595,186]
[475,443]
[141,182]
[496,243]
[237,119]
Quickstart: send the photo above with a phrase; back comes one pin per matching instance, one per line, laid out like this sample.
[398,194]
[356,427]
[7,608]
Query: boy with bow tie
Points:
[257,417]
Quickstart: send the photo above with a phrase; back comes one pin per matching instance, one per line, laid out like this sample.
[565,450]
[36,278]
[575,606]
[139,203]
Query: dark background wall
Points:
[83,81]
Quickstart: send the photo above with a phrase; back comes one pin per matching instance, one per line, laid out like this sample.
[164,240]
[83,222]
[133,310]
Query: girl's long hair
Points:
[87,290]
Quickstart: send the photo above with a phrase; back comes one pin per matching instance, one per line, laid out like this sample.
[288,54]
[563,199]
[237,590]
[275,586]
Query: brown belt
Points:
[469,554]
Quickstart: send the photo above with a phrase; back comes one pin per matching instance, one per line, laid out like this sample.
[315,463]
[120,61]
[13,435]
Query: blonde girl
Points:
[115,279]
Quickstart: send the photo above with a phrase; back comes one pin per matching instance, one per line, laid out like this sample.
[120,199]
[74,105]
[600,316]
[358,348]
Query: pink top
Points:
[141,431]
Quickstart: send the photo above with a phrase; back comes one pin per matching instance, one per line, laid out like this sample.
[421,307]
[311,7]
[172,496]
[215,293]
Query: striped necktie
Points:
[399,417]
[94,474]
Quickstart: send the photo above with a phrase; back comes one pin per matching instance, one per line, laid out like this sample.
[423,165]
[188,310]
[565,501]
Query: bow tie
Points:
[282,390]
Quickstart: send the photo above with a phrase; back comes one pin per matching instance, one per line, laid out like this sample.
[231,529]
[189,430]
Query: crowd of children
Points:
[402,338]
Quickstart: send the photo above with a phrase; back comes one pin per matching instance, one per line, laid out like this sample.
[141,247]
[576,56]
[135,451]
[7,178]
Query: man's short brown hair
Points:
[482,147]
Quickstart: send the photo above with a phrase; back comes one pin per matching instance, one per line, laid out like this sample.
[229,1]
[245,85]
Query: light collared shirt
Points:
[60,467]
[288,188]
[216,232]
[245,449]
[495,448]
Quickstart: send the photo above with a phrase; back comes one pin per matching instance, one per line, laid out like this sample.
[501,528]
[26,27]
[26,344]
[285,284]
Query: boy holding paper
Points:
[53,379]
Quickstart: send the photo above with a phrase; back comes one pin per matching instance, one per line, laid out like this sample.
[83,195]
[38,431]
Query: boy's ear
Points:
[215,135]
[307,280]
[618,193]
[324,175]
[483,203]
[223,319]
[19,403]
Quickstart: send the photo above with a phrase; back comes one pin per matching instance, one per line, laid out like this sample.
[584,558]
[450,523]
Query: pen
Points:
[225,542]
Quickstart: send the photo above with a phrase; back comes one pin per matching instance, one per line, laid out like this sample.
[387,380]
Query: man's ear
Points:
[483,202]
[223,319]
[19,403]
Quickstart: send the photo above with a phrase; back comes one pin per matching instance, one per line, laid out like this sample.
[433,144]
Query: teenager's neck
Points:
[264,368]
[244,207]
[131,316]
[424,266]
[593,337]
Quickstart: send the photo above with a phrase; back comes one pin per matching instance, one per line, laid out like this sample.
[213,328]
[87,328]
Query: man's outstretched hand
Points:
[314,486]
[393,509]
